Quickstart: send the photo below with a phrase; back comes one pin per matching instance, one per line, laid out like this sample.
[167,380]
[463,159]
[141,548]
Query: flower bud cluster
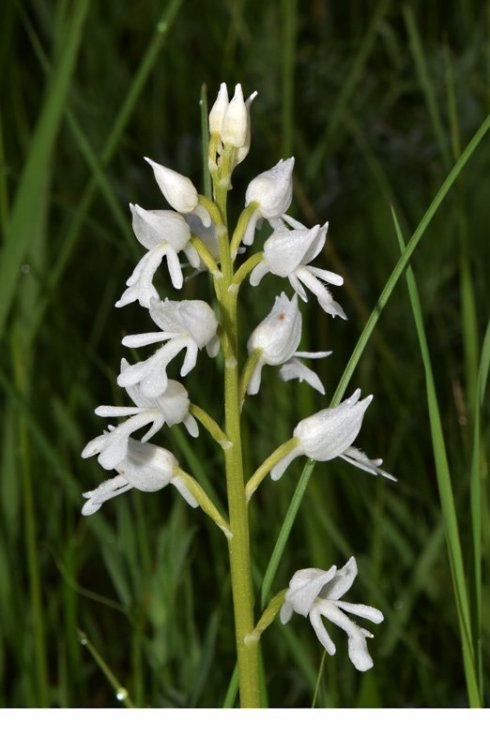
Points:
[190,234]
[229,131]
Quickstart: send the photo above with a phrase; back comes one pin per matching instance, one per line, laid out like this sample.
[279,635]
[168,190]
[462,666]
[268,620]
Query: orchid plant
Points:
[194,232]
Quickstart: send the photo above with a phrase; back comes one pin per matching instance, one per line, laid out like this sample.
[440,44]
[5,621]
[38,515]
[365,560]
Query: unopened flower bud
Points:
[218,111]
[272,191]
[176,188]
[235,121]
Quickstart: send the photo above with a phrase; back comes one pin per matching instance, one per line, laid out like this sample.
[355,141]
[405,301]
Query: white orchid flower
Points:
[178,190]
[329,434]
[144,467]
[288,252]
[172,407]
[272,191]
[277,339]
[164,234]
[189,325]
[316,593]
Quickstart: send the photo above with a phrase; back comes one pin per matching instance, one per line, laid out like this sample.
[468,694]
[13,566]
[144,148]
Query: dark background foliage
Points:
[376,101]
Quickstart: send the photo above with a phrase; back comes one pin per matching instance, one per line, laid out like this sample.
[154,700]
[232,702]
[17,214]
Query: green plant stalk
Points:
[32,551]
[121,692]
[446,495]
[239,543]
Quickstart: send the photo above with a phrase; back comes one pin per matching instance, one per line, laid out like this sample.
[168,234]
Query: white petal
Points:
[185,492]
[298,287]
[362,610]
[286,613]
[358,652]
[190,359]
[341,582]
[316,245]
[203,214]
[322,294]
[296,370]
[151,373]
[235,121]
[154,227]
[282,465]
[212,347]
[253,224]
[305,586]
[117,411]
[94,447]
[321,632]
[255,380]
[177,189]
[359,459]
[191,425]
[174,268]
[217,111]
[140,283]
[258,273]
[145,339]
[105,491]
[328,276]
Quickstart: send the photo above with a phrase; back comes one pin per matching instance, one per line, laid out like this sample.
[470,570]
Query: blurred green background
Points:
[376,100]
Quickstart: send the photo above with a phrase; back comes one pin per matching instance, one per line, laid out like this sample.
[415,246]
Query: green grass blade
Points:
[120,123]
[30,191]
[476,499]
[404,261]
[445,493]
[286,527]
[426,83]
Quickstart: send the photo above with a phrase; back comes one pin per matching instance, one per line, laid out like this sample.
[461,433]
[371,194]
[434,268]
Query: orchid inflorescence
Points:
[193,234]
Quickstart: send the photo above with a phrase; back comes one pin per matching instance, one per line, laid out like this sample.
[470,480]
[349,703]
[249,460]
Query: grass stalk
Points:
[446,495]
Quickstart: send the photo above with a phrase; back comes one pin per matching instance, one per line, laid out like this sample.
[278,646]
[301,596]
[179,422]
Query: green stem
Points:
[247,267]
[122,694]
[205,255]
[210,425]
[239,543]
[205,503]
[269,464]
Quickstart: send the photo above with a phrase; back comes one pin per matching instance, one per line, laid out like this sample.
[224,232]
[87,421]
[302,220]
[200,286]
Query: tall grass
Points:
[379,102]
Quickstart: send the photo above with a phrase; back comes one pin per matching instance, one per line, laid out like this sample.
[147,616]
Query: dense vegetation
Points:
[377,100]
